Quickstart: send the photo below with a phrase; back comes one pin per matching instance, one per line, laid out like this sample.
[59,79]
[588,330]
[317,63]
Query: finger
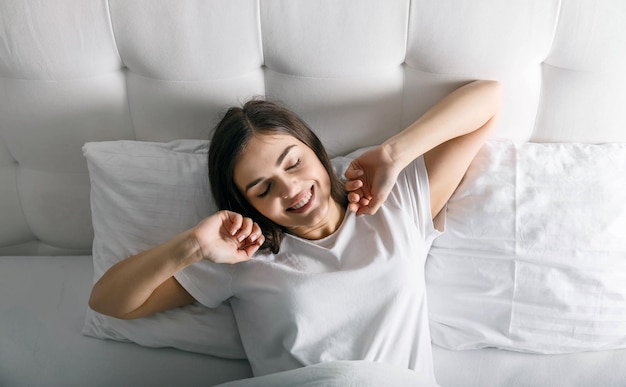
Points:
[364,210]
[353,172]
[253,247]
[370,208]
[365,207]
[354,197]
[256,233]
[377,201]
[354,207]
[245,230]
[353,185]
[235,222]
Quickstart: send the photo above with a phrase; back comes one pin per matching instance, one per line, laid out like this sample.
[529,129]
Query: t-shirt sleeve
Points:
[209,283]
[413,193]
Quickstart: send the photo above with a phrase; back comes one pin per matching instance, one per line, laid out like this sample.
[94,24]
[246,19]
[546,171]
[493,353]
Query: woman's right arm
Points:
[144,284]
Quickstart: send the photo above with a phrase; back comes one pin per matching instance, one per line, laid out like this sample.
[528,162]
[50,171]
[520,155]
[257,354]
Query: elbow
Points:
[490,90]
[110,313]
[496,94]
[97,303]
[490,96]
[498,101]
[499,93]
[94,300]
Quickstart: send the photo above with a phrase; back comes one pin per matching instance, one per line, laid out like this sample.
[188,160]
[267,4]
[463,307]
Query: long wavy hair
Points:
[229,140]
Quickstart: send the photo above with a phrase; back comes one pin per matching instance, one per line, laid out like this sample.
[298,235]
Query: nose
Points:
[288,187]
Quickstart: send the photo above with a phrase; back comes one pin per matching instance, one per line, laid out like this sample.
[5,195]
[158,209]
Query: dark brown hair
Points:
[230,137]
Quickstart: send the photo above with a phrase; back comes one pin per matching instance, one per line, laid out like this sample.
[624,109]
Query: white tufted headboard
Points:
[73,71]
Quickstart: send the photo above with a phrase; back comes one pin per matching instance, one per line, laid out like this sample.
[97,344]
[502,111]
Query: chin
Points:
[314,218]
[321,214]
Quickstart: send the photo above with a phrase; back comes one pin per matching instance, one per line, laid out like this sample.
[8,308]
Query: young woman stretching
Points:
[309,280]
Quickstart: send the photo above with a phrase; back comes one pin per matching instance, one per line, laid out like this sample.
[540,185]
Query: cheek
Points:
[268,208]
[317,171]
[326,178]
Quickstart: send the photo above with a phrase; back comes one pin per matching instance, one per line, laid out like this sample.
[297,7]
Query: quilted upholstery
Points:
[73,71]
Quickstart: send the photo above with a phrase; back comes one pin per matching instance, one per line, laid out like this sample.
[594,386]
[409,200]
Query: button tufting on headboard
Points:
[78,71]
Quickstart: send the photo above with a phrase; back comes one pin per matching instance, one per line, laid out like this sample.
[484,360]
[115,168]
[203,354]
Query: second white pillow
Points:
[534,254]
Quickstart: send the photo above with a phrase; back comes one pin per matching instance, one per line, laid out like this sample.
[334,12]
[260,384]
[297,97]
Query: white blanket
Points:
[340,374]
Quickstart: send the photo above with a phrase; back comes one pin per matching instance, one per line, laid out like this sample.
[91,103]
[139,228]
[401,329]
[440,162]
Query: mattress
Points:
[42,309]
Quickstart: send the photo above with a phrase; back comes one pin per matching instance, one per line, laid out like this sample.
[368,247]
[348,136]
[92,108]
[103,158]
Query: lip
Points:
[299,199]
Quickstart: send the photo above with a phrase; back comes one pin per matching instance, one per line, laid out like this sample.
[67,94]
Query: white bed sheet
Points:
[498,368]
[42,309]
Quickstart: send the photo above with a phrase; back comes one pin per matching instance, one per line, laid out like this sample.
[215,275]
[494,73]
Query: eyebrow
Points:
[279,161]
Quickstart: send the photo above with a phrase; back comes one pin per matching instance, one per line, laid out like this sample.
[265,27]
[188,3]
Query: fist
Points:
[371,177]
[228,237]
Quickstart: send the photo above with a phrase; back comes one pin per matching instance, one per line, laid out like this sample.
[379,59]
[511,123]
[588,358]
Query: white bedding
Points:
[41,342]
[534,256]
[500,368]
[74,71]
[356,373]
[41,345]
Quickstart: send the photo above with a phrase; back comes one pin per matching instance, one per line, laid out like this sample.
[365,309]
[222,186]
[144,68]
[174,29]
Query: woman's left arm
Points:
[448,135]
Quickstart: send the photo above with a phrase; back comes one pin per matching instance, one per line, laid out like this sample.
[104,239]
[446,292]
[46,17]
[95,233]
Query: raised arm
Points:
[448,135]
[144,284]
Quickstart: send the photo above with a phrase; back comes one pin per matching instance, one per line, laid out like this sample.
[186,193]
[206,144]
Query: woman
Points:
[309,280]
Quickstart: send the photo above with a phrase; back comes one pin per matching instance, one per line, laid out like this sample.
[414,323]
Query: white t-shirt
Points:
[357,294]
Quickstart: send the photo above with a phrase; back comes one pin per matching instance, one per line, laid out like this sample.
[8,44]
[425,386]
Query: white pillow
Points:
[142,194]
[534,254]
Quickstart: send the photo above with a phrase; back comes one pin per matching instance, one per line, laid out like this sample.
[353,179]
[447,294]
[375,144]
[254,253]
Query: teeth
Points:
[303,202]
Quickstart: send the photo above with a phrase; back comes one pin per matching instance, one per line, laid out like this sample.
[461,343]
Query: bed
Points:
[105,112]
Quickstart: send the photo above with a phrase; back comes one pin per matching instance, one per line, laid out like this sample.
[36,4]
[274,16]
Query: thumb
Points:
[371,208]
[373,204]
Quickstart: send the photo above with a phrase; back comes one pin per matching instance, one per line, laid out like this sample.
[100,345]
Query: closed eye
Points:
[267,191]
[296,165]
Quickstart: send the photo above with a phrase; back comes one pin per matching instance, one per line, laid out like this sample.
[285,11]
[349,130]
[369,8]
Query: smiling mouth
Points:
[303,202]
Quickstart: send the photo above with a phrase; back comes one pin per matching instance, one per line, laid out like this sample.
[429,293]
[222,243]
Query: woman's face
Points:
[285,181]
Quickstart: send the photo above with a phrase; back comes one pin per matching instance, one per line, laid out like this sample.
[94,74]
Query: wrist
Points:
[396,154]
[187,249]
